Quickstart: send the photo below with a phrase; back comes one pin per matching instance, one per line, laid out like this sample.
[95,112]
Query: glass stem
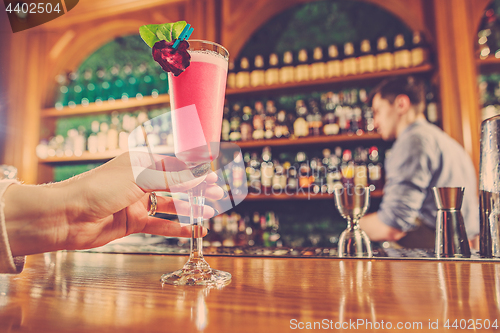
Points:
[196,203]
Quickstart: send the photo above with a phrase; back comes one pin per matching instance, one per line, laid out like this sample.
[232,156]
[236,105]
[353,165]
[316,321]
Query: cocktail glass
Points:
[352,202]
[197,101]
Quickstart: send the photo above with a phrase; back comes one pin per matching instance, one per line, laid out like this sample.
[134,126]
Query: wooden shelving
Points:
[294,86]
[88,157]
[94,108]
[308,140]
[300,196]
[489,64]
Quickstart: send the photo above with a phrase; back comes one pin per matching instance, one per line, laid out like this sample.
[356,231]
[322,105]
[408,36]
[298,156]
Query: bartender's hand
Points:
[101,205]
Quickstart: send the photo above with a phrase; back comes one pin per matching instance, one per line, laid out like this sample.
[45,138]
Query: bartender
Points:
[422,157]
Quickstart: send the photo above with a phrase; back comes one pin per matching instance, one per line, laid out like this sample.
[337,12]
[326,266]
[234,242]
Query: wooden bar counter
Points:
[96,292]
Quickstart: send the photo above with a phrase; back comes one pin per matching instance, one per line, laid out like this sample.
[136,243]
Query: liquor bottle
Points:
[102,137]
[334,175]
[217,229]
[367,112]
[246,125]
[360,167]
[431,111]
[73,94]
[257,229]
[116,83]
[300,126]
[258,121]
[140,73]
[226,126]
[270,119]
[314,118]
[243,75]
[235,123]
[334,62]
[347,169]
[231,75]
[163,84]
[318,176]
[88,88]
[112,134]
[287,70]
[281,129]
[242,237]
[306,177]
[419,50]
[99,86]
[229,236]
[146,84]
[128,90]
[318,65]
[367,60]
[301,70]
[402,54]
[123,134]
[267,171]
[238,174]
[385,59]
[374,170]
[329,102]
[270,235]
[272,75]
[61,91]
[255,174]
[343,111]
[350,62]
[92,139]
[277,178]
[257,76]
[357,125]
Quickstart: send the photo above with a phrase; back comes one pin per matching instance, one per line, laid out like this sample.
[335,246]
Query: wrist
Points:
[35,218]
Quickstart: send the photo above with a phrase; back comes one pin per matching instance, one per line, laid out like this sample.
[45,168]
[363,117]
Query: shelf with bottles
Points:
[99,83]
[329,82]
[301,196]
[95,138]
[332,65]
[285,174]
[266,229]
[314,140]
[87,157]
[300,119]
[124,104]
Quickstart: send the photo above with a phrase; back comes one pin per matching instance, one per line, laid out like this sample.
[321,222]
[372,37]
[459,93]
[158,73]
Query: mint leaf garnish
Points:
[153,33]
[148,34]
[164,32]
[177,28]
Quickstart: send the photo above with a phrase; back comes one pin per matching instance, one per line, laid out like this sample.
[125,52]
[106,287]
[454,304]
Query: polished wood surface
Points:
[89,292]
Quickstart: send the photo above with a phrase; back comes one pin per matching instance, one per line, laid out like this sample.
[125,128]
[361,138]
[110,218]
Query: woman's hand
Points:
[101,205]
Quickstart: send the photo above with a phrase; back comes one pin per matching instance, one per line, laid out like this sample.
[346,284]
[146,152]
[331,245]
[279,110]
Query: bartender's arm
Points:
[378,231]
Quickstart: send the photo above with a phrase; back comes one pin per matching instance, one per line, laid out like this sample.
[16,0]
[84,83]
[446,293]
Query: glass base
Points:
[197,272]
[354,243]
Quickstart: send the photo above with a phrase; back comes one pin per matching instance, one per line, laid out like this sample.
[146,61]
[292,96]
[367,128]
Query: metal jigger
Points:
[352,203]
[451,238]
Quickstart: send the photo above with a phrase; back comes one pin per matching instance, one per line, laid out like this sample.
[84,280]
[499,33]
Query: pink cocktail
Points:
[197,101]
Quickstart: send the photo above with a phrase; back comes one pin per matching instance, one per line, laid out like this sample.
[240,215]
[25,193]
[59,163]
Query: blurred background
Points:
[72,89]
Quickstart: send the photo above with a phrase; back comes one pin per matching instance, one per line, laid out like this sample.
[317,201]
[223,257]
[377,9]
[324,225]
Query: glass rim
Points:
[210,43]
